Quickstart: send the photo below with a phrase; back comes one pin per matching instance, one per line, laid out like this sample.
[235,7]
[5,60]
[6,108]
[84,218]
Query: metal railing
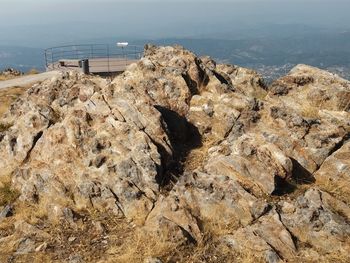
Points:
[103,55]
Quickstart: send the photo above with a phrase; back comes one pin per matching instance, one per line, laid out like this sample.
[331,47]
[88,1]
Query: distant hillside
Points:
[272,54]
[318,50]
[21,58]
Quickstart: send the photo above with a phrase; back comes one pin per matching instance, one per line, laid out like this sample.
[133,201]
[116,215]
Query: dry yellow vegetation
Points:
[8,96]
[11,76]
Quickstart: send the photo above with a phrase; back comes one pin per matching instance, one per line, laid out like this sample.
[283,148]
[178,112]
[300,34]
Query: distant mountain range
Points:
[272,55]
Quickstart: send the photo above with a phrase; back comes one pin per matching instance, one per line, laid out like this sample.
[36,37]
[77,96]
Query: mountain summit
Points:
[178,159]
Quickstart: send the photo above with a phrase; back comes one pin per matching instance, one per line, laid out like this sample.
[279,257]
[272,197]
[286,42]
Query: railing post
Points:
[108,58]
[45,59]
[85,66]
[53,65]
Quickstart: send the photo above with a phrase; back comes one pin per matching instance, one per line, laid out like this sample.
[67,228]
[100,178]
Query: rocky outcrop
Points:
[334,174]
[188,151]
[311,220]
[10,73]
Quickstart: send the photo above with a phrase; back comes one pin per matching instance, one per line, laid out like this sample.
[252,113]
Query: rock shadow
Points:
[184,137]
[300,176]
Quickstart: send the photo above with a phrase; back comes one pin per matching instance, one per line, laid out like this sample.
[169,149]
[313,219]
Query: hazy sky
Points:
[49,21]
[46,11]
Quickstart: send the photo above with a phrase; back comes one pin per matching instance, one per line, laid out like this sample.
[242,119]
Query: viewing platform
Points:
[101,59]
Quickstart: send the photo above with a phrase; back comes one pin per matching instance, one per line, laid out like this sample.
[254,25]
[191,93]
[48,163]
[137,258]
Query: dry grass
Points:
[214,251]
[340,189]
[337,257]
[220,221]
[33,71]
[259,94]
[8,96]
[142,245]
[309,112]
[7,194]
[4,126]
[196,158]
[7,77]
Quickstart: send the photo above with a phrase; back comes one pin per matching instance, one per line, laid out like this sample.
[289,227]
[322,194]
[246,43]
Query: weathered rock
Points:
[334,174]
[216,115]
[212,198]
[307,86]
[11,72]
[245,80]
[268,236]
[313,222]
[183,147]
[152,260]
[252,161]
[6,211]
[26,246]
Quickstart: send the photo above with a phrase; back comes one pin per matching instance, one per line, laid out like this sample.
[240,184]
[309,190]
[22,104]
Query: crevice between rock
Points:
[336,147]
[184,137]
[35,140]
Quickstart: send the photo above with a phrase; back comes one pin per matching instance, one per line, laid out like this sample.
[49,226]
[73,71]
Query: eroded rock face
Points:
[252,161]
[334,174]
[312,221]
[184,148]
[268,236]
[73,150]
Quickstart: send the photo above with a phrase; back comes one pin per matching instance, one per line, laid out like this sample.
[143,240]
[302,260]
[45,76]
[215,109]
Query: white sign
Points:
[122,44]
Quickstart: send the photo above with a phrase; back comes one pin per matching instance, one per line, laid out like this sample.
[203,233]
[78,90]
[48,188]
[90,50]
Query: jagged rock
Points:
[153,260]
[216,115]
[212,198]
[268,236]
[85,129]
[11,72]
[6,211]
[180,145]
[313,222]
[245,80]
[252,161]
[306,130]
[25,246]
[334,174]
[312,87]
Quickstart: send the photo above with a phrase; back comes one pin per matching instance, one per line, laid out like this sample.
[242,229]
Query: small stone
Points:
[153,260]
[272,257]
[41,247]
[72,239]
[99,228]
[25,246]
[75,259]
[288,208]
[6,212]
